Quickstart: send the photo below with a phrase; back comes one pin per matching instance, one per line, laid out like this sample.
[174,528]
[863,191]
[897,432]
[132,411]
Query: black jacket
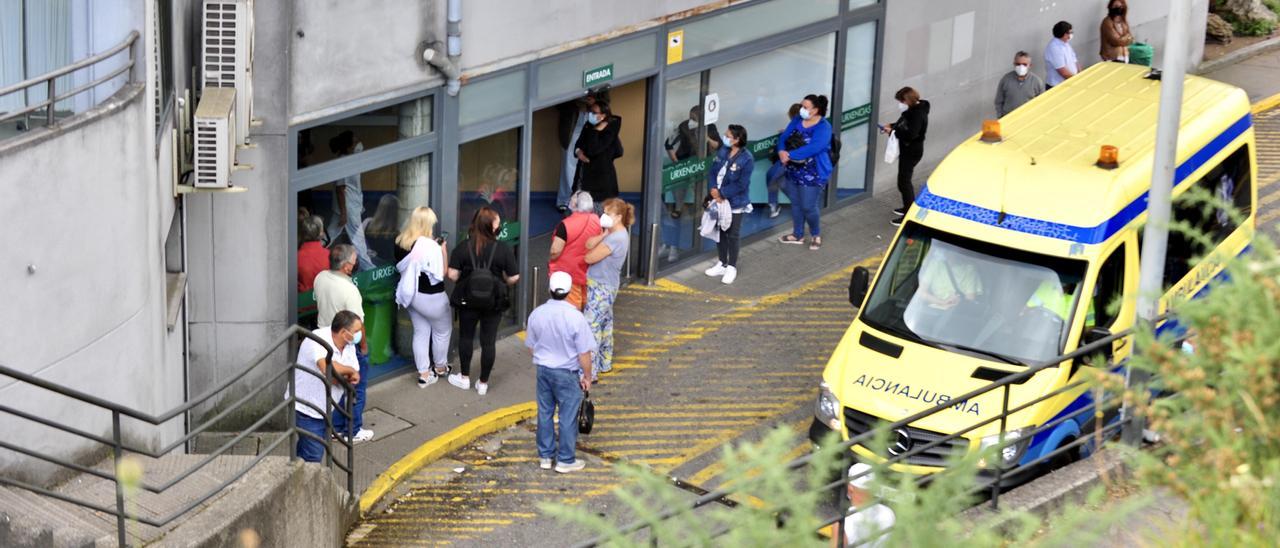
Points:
[601,147]
[911,128]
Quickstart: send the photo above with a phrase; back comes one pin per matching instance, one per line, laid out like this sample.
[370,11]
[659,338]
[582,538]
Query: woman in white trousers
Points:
[421,260]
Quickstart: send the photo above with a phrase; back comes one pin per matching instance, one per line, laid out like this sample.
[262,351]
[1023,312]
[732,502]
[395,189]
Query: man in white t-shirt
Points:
[865,526]
[1060,60]
[341,335]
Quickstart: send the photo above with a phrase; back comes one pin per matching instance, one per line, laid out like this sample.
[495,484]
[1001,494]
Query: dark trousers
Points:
[906,167]
[730,241]
[357,406]
[310,450]
[488,321]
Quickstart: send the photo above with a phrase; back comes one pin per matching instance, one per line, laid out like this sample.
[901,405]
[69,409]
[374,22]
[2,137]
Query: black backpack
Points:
[834,151]
[481,290]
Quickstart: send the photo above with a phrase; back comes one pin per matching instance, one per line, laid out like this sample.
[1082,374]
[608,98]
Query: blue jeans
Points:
[776,180]
[805,201]
[308,449]
[558,387]
[357,407]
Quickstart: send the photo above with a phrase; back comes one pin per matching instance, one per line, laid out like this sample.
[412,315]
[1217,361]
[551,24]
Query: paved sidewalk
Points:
[405,416]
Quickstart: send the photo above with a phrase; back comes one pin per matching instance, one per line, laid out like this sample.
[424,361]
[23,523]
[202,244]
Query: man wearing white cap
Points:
[866,526]
[561,341]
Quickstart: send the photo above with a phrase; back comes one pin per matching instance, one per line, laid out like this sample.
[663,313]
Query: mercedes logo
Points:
[901,443]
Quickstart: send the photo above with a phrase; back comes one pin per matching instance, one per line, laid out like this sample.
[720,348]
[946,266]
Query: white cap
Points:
[561,282]
[862,470]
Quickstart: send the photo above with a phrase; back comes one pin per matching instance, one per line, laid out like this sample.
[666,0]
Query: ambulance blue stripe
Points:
[1080,234]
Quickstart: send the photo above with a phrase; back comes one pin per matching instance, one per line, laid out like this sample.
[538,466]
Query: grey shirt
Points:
[608,270]
[556,334]
[1012,93]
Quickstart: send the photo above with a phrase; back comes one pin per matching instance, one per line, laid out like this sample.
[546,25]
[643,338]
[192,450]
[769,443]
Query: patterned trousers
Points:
[599,314]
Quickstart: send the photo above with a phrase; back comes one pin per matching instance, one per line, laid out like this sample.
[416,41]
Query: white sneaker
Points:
[673,254]
[544,464]
[774,211]
[716,270]
[482,388]
[566,467]
[730,274]
[460,381]
[363,435]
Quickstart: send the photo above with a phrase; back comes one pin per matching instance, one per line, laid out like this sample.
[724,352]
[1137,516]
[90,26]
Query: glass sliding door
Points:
[854,121]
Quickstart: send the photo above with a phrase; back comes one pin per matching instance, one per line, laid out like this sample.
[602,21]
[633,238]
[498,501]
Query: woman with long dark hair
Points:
[805,148]
[482,268]
[597,148]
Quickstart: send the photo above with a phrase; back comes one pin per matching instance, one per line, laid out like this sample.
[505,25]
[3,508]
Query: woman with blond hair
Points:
[421,262]
[606,253]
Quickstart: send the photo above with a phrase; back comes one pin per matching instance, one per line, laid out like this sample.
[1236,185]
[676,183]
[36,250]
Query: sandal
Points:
[791,239]
[815,243]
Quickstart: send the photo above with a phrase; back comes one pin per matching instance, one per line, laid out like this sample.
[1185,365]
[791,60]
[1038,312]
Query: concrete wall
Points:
[83,213]
[955,52]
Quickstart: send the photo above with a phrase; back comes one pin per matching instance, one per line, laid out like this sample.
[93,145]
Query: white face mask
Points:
[693,124]
[359,148]
[902,107]
[606,222]
[1021,70]
[804,113]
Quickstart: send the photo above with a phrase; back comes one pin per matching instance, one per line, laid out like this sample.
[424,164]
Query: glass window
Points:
[491,98]
[859,66]
[744,25]
[855,4]
[1109,288]
[685,150]
[975,298]
[489,175]
[626,58]
[366,210]
[364,131]
[1227,186]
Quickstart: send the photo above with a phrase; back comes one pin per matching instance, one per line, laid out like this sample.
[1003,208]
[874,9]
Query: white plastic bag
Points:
[891,149]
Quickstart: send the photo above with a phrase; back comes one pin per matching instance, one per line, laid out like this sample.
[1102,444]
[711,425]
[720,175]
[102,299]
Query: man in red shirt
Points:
[569,245]
[313,258]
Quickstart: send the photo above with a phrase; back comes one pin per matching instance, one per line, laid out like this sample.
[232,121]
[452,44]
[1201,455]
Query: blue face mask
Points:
[355,339]
[593,119]
[728,139]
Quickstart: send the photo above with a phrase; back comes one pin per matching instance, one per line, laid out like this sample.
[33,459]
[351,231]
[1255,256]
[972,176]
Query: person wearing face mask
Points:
[910,129]
[1017,86]
[597,147]
[804,146]
[606,253]
[1060,60]
[1116,37]
[729,178]
[343,334]
[573,117]
[348,201]
[334,293]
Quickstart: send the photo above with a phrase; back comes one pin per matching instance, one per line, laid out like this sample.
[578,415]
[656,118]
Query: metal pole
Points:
[652,272]
[999,458]
[292,413]
[48,113]
[118,450]
[1155,235]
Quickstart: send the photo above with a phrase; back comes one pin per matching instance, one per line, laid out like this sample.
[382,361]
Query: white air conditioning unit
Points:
[215,138]
[226,52]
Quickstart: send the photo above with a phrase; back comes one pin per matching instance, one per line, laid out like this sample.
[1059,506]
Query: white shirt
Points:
[1058,54]
[872,520]
[307,387]
[334,293]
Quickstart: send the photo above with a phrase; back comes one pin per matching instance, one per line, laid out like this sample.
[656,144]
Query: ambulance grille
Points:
[858,423]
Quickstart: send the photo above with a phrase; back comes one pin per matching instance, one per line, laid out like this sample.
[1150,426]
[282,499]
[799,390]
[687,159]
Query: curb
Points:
[442,445]
[1237,56]
[1266,104]
[1064,487]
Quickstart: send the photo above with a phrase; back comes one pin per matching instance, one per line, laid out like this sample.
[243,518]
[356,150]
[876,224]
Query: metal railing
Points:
[48,80]
[119,447]
[992,480]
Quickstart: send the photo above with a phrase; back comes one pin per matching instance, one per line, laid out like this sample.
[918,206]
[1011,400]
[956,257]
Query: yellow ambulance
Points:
[1013,252]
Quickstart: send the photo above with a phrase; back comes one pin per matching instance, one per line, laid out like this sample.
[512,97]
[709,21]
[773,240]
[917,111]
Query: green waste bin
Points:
[379,320]
[1141,54]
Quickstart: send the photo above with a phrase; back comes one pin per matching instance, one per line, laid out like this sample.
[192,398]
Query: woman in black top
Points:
[481,247]
[597,148]
[910,130]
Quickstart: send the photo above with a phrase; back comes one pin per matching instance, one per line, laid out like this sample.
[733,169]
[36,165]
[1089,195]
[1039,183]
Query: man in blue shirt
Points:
[561,341]
[1060,60]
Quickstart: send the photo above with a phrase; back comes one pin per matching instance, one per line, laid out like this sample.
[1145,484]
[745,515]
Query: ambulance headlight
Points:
[1012,446]
[827,408]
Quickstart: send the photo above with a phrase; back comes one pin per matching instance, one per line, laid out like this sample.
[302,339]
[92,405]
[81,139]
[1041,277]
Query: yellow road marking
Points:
[1266,104]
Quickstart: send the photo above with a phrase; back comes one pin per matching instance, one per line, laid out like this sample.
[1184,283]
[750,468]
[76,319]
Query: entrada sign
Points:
[598,75]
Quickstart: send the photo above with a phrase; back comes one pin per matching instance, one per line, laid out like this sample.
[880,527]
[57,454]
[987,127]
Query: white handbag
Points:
[891,149]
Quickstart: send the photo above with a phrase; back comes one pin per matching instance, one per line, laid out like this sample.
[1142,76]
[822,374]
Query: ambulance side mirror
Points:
[1095,334]
[858,283]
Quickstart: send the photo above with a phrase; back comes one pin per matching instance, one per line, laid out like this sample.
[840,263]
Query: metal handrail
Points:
[48,79]
[288,405]
[1013,378]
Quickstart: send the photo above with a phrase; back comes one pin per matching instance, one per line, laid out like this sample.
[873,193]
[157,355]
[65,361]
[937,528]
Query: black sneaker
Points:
[896,221]
[901,211]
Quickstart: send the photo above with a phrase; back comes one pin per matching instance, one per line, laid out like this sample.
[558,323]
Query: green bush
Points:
[1253,28]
